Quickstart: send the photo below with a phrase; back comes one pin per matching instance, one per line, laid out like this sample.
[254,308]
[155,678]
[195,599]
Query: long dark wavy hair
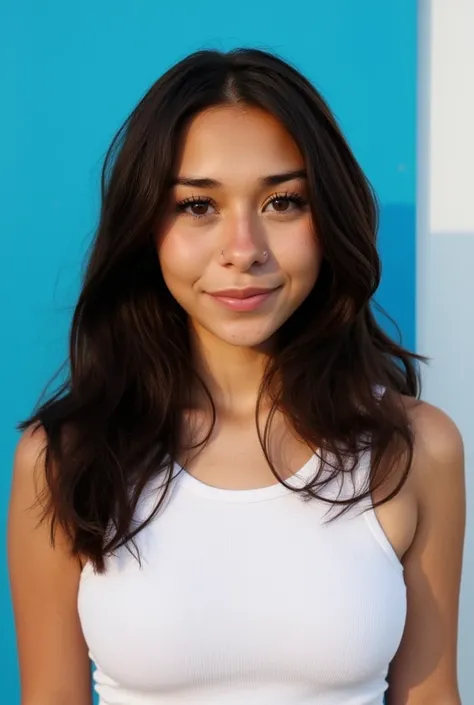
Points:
[116,421]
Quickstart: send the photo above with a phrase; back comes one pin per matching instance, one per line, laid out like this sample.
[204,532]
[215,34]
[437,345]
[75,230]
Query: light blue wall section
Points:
[72,72]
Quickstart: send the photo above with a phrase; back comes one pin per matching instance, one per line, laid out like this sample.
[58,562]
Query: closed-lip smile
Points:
[241,293]
[243,300]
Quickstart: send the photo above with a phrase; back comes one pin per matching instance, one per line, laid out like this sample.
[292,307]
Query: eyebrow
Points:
[272,180]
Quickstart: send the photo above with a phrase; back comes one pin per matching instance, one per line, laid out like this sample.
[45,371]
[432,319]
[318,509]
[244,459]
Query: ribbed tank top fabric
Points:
[248,597]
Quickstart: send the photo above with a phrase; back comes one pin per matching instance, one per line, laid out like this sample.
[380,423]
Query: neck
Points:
[232,374]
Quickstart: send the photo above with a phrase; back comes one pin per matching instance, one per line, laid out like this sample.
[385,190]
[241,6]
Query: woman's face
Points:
[238,249]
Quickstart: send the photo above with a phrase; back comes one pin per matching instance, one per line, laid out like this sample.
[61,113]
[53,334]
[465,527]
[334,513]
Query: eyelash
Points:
[295,198]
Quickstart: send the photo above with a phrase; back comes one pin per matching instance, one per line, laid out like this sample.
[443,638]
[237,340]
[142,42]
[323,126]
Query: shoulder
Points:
[436,436]
[29,462]
[438,458]
[32,514]
[32,444]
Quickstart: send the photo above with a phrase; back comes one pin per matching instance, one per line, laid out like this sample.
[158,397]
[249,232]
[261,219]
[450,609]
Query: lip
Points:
[242,293]
[243,299]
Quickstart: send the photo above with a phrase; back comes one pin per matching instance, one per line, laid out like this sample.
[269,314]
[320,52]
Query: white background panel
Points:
[452,116]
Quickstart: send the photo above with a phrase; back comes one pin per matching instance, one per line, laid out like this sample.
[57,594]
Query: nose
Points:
[243,245]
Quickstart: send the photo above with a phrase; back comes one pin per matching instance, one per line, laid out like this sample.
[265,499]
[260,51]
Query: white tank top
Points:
[246,597]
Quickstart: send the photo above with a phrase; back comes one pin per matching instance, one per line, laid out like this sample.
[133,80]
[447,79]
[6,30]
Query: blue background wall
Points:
[73,71]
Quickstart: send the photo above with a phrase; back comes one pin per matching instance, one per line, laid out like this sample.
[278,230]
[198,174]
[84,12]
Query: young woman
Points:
[237,497]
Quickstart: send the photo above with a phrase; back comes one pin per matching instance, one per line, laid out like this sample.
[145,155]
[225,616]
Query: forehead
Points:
[232,143]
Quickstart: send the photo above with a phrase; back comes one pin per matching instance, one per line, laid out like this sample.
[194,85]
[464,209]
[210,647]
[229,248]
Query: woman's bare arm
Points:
[424,669]
[53,658]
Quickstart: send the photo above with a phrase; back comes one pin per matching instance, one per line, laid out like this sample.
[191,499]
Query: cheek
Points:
[181,257]
[300,257]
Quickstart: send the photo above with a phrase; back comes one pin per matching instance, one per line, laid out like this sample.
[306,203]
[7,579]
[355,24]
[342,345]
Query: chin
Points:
[245,335]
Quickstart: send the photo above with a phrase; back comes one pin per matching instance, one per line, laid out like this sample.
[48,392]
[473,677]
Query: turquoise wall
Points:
[73,71]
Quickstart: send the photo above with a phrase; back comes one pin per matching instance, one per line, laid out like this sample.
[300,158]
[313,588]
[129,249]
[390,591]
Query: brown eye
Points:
[199,208]
[195,207]
[281,204]
[285,203]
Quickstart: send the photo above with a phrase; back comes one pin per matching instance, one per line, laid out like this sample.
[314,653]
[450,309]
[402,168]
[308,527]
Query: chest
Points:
[233,457]
[245,591]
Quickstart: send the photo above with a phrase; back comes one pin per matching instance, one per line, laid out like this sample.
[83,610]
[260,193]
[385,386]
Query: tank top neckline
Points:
[277,489]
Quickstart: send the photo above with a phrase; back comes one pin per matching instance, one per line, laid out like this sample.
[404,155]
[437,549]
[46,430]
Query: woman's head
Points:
[238,118]
[238,249]
[230,174]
